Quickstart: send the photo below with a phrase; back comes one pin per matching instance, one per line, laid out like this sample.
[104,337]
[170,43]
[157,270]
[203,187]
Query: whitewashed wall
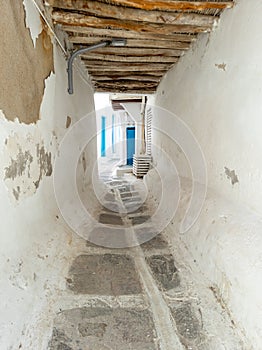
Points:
[35,244]
[216,90]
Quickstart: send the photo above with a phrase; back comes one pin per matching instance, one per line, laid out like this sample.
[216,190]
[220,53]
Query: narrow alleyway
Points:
[85,262]
[139,298]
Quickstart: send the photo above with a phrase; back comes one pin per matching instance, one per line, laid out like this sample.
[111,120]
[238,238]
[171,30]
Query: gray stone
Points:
[145,233]
[157,242]
[116,183]
[140,210]
[59,341]
[107,274]
[98,328]
[87,329]
[164,271]
[133,207]
[126,194]
[137,220]
[187,323]
[125,188]
[110,219]
[109,197]
[131,199]
[113,237]
[62,346]
[111,207]
[129,194]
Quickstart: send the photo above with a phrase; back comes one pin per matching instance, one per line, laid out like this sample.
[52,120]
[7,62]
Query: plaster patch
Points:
[27,162]
[45,163]
[231,175]
[221,66]
[68,121]
[16,192]
[19,165]
[84,162]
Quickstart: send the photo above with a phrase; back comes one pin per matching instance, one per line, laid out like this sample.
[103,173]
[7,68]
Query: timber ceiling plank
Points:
[94,66]
[142,77]
[134,43]
[127,34]
[171,5]
[130,59]
[82,20]
[123,51]
[99,9]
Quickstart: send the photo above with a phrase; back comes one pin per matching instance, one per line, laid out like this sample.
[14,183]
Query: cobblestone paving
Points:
[127,273]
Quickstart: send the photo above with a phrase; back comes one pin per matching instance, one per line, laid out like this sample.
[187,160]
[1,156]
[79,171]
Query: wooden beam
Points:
[126,91]
[93,66]
[127,83]
[159,44]
[123,51]
[99,9]
[81,20]
[171,5]
[130,59]
[142,77]
[113,88]
[113,74]
[96,69]
[128,34]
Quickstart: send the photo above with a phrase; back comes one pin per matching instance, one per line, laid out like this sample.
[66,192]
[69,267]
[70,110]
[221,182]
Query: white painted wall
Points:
[36,246]
[216,90]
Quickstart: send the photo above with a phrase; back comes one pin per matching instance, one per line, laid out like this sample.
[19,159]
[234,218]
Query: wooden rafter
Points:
[123,51]
[128,34]
[141,77]
[134,43]
[129,84]
[116,74]
[125,67]
[99,9]
[130,59]
[126,91]
[81,20]
[171,5]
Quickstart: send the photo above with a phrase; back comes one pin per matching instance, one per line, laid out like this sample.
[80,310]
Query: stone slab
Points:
[103,329]
[164,271]
[106,274]
[110,219]
[187,324]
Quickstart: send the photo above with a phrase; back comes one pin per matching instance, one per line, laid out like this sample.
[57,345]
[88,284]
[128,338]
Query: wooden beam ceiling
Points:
[158,33]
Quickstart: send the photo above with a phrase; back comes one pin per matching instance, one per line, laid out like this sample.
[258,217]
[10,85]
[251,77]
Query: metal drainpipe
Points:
[74,55]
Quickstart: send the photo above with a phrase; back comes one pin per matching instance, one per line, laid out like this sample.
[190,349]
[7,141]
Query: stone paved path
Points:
[135,292]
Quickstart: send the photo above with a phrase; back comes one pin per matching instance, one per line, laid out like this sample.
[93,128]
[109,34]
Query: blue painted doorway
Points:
[130,145]
[103,136]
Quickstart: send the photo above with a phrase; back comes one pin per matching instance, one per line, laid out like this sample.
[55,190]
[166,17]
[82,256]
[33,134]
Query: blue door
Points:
[130,145]
[103,136]
[113,133]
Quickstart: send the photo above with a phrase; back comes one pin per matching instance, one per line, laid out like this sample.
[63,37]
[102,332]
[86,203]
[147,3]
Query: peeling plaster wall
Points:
[30,66]
[216,90]
[35,243]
